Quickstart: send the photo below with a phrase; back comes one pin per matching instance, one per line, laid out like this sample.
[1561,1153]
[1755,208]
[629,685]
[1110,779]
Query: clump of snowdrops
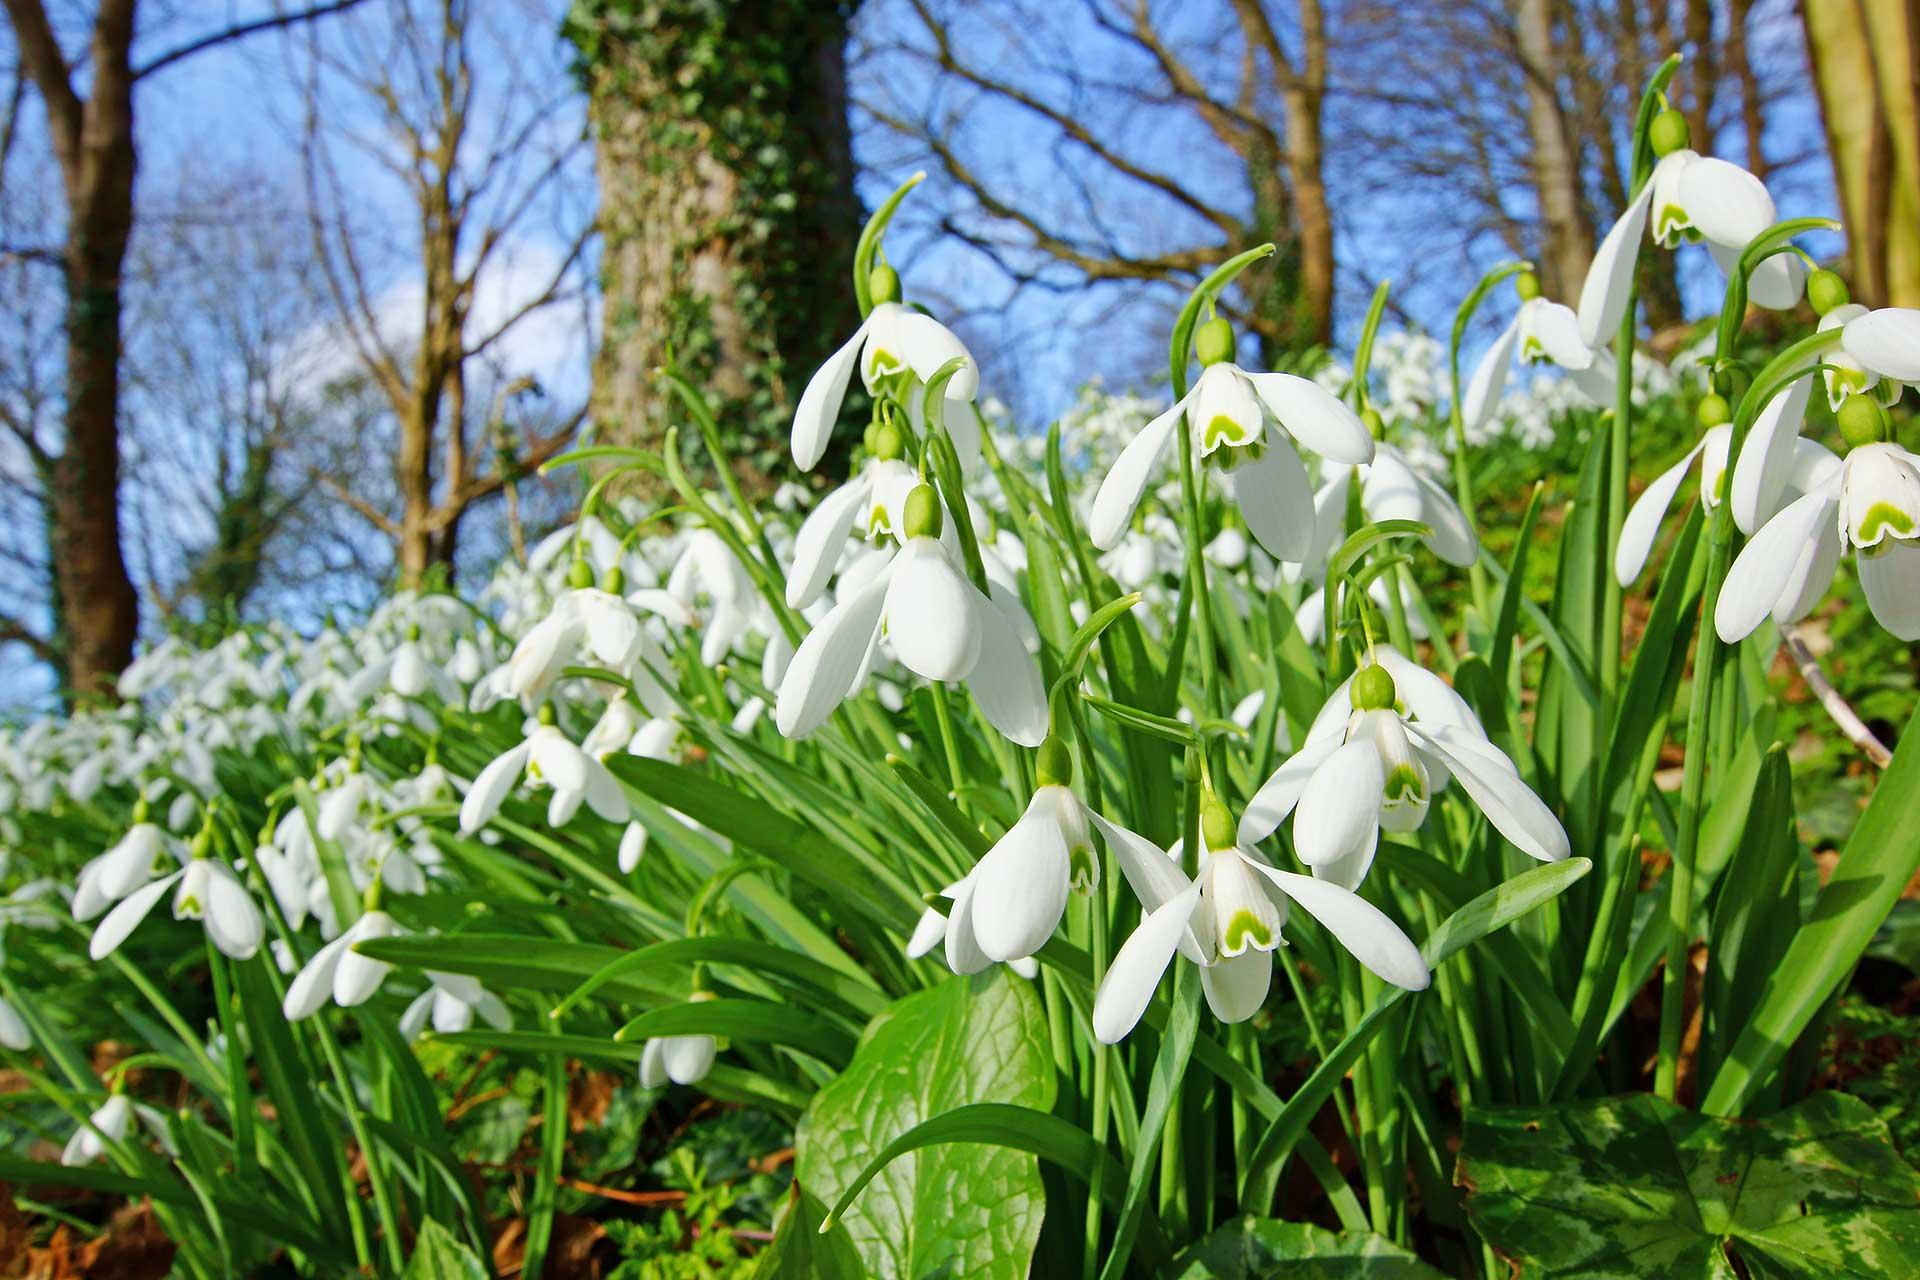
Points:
[964,808]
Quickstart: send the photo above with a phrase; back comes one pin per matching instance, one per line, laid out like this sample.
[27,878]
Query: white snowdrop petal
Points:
[126,917]
[821,540]
[1277,796]
[930,614]
[1765,567]
[1890,576]
[1314,416]
[1276,498]
[1510,805]
[825,666]
[1126,480]
[1766,459]
[1642,526]
[1236,986]
[820,402]
[1005,679]
[1886,341]
[1341,804]
[1134,975]
[1359,926]
[1489,379]
[1609,282]
[491,788]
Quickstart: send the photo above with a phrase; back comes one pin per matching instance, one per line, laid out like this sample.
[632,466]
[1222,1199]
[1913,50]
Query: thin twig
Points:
[1843,715]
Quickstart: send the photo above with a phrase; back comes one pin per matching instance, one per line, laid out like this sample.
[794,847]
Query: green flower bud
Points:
[413,631]
[1053,763]
[1527,285]
[1376,425]
[1827,291]
[887,442]
[872,432]
[614,580]
[1213,341]
[1372,688]
[1217,827]
[546,714]
[923,515]
[1668,133]
[1714,411]
[1863,420]
[580,573]
[883,284]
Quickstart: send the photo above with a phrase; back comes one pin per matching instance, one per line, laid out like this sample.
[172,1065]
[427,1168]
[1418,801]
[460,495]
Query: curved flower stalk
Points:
[941,627]
[1389,739]
[1251,427]
[1694,198]
[547,758]
[1870,505]
[339,973]
[1228,920]
[1310,616]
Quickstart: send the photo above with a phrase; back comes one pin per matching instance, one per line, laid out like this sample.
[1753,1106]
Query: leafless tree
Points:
[443,153]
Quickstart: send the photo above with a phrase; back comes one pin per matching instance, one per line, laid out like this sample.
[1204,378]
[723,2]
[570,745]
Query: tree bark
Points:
[97,610]
[1304,96]
[1866,65]
[727,214]
[1566,232]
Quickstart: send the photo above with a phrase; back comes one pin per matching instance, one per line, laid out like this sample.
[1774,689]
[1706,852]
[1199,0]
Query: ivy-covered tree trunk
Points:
[727,212]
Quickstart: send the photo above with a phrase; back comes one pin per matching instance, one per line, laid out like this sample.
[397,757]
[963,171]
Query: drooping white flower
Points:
[872,503]
[707,566]
[1870,505]
[1013,899]
[1391,736]
[546,758]
[1248,425]
[108,1126]
[208,892]
[940,627]
[1391,488]
[119,871]
[1885,342]
[1228,921]
[681,1059]
[1696,198]
[1540,332]
[450,1002]
[892,339]
[340,973]
[14,1034]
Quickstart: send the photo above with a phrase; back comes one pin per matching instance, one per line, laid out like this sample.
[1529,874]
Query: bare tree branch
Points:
[241,31]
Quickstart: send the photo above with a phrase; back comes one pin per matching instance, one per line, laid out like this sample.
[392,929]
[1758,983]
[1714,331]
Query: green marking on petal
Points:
[1245,930]
[1881,518]
[1082,871]
[1222,430]
[1404,784]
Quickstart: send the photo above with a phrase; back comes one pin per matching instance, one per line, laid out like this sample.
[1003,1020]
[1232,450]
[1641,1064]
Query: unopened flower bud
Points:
[887,442]
[923,517]
[1217,827]
[883,284]
[1827,291]
[1714,410]
[614,580]
[1668,133]
[1863,420]
[580,574]
[1527,285]
[1053,763]
[1213,341]
[1376,425]
[1372,688]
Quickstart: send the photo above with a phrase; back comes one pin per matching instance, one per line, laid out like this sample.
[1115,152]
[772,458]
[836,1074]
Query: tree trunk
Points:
[727,212]
[1866,64]
[1306,158]
[1566,235]
[1740,67]
[97,613]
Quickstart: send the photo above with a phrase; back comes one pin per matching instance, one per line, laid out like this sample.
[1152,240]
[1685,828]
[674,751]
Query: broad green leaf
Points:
[438,1256]
[1634,1186]
[964,1209]
[801,1251]
[1270,1249]
[1874,868]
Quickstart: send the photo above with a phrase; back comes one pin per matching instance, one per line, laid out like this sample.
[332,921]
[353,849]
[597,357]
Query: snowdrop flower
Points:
[708,564]
[1391,488]
[208,892]
[1688,197]
[120,870]
[874,500]
[1870,505]
[1885,342]
[14,1034]
[681,1059]
[547,758]
[340,973]
[892,339]
[1391,736]
[450,1002]
[1228,921]
[1012,901]
[941,627]
[1541,331]
[1228,412]
[108,1126]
